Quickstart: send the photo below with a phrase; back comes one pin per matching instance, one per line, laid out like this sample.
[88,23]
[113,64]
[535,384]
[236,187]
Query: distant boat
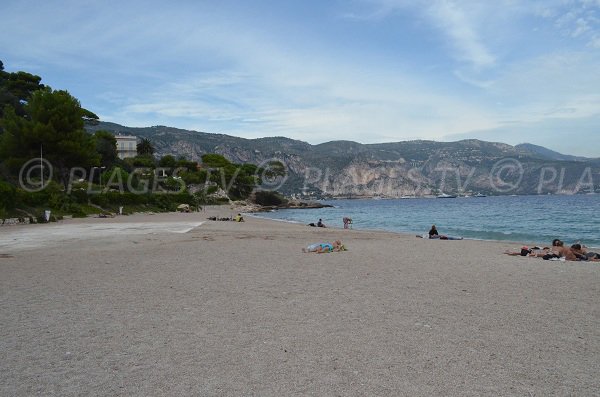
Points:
[480,195]
[444,195]
[407,197]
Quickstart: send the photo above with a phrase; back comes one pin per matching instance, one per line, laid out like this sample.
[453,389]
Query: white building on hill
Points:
[126,146]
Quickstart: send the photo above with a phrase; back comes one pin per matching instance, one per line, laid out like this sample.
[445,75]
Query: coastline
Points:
[490,219]
[139,305]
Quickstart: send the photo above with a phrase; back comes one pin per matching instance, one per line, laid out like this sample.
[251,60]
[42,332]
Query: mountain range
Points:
[395,169]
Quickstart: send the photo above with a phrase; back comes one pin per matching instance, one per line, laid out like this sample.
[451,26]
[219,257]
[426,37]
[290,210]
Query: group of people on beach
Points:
[237,218]
[558,251]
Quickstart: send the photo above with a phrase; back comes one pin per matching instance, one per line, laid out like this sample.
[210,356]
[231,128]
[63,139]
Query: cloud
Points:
[387,70]
[578,19]
[456,25]
[451,19]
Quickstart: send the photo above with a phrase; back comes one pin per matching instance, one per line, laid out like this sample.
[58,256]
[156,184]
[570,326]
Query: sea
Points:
[531,220]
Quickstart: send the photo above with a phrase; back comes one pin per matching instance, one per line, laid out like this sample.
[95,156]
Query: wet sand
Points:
[174,304]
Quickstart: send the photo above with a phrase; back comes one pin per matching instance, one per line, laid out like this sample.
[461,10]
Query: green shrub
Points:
[8,195]
[79,196]
[269,198]
[163,201]
[99,199]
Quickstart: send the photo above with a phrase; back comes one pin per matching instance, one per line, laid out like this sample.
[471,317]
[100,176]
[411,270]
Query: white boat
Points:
[444,195]
[480,195]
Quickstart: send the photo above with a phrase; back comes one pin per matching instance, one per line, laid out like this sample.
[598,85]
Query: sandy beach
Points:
[175,304]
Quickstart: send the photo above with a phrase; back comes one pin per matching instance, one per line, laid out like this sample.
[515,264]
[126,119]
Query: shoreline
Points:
[480,228]
[403,233]
[229,211]
[199,218]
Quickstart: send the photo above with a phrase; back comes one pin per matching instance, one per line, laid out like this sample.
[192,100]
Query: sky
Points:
[369,71]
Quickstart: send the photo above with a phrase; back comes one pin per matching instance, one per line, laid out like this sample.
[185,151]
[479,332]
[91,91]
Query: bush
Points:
[99,199]
[7,195]
[163,201]
[269,198]
[79,196]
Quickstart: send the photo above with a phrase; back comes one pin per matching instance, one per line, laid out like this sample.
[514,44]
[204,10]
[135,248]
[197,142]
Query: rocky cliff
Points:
[411,168]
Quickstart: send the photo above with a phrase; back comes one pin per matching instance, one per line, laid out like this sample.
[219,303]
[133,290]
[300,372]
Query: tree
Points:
[16,88]
[106,147]
[215,160]
[145,148]
[53,121]
[275,168]
[168,161]
[7,196]
[237,180]
[268,198]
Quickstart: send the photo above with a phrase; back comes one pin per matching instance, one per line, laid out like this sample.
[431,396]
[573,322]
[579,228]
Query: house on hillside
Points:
[126,146]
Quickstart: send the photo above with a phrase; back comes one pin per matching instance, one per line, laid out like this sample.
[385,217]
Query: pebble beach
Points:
[176,304]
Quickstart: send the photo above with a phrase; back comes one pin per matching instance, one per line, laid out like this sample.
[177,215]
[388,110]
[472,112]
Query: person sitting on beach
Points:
[433,233]
[321,248]
[320,223]
[238,218]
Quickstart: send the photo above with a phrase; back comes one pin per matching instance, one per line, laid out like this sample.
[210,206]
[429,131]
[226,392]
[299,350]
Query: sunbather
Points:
[559,252]
[321,248]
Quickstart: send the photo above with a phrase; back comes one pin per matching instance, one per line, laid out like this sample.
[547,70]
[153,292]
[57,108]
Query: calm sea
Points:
[527,219]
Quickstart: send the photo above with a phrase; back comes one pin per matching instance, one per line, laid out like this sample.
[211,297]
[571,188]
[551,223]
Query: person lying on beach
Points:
[215,218]
[582,254]
[590,254]
[322,248]
[526,251]
[559,252]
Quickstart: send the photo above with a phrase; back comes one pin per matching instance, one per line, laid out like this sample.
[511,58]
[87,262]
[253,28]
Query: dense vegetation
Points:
[49,161]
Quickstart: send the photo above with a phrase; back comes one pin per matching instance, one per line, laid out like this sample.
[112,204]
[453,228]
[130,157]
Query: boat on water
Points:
[480,195]
[444,195]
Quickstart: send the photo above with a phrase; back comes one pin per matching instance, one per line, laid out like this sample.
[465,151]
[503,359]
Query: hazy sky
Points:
[362,70]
